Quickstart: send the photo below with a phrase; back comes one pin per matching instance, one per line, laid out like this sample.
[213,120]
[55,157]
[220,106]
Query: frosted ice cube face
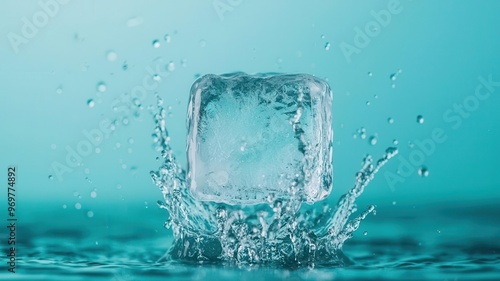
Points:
[251,138]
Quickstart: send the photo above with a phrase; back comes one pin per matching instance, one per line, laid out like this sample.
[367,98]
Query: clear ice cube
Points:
[257,138]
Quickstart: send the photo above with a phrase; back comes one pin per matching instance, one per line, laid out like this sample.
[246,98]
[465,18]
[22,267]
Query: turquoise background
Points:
[441,54]
[441,47]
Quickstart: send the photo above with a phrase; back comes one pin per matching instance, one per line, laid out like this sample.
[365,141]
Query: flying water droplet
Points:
[327,46]
[90,103]
[90,214]
[390,120]
[101,87]
[373,140]
[423,172]
[370,74]
[203,43]
[156,43]
[93,194]
[420,119]
[78,206]
[111,56]
[167,38]
[156,77]
[171,66]
[59,90]
[51,177]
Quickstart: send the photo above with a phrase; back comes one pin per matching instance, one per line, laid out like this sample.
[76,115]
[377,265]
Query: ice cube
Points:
[254,137]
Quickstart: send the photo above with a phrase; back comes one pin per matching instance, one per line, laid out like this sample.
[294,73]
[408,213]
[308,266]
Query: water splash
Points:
[283,232]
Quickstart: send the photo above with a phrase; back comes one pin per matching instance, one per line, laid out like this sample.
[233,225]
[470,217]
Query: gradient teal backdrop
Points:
[441,48]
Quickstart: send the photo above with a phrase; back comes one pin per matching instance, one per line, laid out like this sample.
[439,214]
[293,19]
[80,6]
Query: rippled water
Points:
[402,245]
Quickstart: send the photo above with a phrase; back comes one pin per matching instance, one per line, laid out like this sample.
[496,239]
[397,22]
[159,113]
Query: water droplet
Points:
[125,66]
[370,74]
[130,150]
[203,43]
[171,66]
[101,87]
[323,36]
[90,214]
[184,62]
[96,243]
[90,103]
[93,194]
[423,172]
[87,171]
[420,119]
[373,140]
[438,231]
[118,186]
[53,146]
[363,136]
[395,141]
[118,145]
[111,56]
[167,38]
[327,46]
[390,120]
[97,150]
[156,43]
[64,206]
[368,103]
[125,121]
[124,166]
[131,140]
[137,102]
[51,177]
[78,206]
[59,90]
[394,76]
[410,144]
[365,233]
[156,77]
[393,202]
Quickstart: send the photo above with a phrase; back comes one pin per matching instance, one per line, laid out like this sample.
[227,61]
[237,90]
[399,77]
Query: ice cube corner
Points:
[257,138]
